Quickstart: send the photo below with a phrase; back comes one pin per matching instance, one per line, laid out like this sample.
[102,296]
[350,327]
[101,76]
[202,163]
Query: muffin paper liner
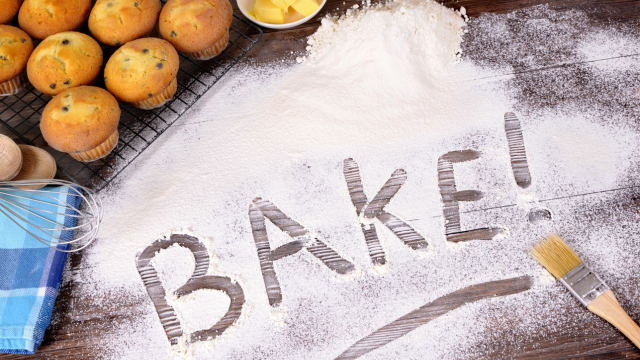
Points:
[12,86]
[160,99]
[212,51]
[99,151]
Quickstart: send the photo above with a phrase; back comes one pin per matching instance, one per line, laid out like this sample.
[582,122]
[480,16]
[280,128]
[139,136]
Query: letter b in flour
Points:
[199,280]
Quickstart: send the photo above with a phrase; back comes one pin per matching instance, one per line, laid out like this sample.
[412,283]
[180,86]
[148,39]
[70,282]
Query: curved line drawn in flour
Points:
[432,310]
[261,209]
[517,151]
[451,196]
[375,210]
[198,281]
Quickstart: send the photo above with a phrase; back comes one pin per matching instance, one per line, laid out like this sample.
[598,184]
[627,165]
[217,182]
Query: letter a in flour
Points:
[451,196]
[367,211]
[261,209]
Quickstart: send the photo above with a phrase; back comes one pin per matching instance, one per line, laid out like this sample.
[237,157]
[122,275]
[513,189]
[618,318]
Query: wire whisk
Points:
[42,212]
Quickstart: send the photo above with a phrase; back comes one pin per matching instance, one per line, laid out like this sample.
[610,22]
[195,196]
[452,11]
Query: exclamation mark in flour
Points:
[516,150]
[519,163]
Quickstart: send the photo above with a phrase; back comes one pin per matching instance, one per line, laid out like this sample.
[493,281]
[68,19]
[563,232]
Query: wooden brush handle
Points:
[607,307]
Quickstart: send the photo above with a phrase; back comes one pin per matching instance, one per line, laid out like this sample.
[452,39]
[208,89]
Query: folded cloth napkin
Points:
[30,272]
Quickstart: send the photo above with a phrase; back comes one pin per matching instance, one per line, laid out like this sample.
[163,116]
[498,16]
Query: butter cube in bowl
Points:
[280,14]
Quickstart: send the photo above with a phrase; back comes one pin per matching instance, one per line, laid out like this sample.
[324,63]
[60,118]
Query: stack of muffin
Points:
[82,119]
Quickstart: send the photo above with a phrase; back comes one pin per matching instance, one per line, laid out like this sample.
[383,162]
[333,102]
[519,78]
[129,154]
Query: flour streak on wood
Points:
[261,209]
[359,200]
[259,230]
[388,190]
[451,196]
[198,281]
[156,291]
[516,150]
[354,183]
[403,231]
[432,310]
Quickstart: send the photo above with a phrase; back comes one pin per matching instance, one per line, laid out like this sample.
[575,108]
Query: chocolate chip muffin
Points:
[143,72]
[116,22]
[198,28]
[82,121]
[43,18]
[15,48]
[63,61]
[8,10]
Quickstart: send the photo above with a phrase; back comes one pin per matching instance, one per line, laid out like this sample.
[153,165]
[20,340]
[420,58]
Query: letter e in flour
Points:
[451,196]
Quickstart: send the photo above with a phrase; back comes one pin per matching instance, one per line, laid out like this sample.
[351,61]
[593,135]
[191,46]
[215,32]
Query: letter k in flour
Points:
[368,211]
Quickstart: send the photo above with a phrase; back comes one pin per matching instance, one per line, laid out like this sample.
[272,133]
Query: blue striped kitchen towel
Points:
[30,272]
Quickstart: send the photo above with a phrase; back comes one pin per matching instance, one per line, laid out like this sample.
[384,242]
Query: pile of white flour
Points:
[383,85]
[429,37]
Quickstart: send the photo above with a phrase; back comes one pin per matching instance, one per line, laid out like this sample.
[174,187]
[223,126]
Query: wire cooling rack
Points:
[138,128]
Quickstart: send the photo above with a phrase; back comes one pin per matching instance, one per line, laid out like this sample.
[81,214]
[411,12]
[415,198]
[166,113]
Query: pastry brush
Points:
[558,258]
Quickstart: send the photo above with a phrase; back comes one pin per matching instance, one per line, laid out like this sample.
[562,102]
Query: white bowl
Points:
[292,19]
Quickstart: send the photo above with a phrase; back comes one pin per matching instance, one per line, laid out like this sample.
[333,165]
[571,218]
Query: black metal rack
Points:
[138,128]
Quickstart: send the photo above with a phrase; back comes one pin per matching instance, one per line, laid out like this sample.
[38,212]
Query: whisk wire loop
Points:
[27,207]
[42,213]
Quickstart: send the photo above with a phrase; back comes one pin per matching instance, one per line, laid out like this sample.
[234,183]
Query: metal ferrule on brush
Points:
[584,284]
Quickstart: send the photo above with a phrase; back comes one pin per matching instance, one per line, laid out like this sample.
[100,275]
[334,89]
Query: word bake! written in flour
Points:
[302,239]
[367,211]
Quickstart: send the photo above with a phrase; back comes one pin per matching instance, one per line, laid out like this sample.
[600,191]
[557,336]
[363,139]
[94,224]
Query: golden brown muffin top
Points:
[79,119]
[194,25]
[115,22]
[64,60]
[15,48]
[8,9]
[42,18]
[141,69]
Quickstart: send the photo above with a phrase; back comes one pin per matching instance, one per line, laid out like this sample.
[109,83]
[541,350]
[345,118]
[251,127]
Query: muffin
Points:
[198,28]
[115,22]
[15,48]
[82,121]
[43,18]
[8,9]
[143,72]
[63,61]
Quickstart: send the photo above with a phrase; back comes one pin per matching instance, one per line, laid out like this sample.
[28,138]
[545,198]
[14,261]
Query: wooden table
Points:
[81,325]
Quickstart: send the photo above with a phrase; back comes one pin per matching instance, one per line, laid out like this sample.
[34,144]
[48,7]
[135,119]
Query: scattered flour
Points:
[382,85]
[174,266]
[201,309]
